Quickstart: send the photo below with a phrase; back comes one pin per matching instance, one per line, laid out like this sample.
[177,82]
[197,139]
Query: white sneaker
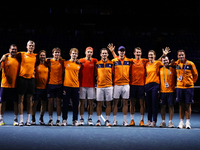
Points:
[64,123]
[2,122]
[125,123]
[98,123]
[81,122]
[148,123]
[187,124]
[15,123]
[107,123]
[162,124]
[75,123]
[153,124]
[50,123]
[115,123]
[181,125]
[170,125]
[90,123]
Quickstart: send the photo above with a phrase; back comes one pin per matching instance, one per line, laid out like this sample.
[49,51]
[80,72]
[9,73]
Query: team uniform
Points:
[26,83]
[55,84]
[137,82]
[71,90]
[104,83]
[41,80]
[167,85]
[87,78]
[152,88]
[121,77]
[137,78]
[10,70]
[186,77]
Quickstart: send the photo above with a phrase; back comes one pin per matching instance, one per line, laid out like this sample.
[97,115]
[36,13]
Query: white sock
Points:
[107,117]
[181,120]
[163,120]
[21,118]
[142,117]
[125,116]
[50,117]
[81,116]
[1,117]
[90,117]
[58,117]
[132,116]
[170,121]
[187,120]
[16,116]
[115,118]
[28,117]
[99,117]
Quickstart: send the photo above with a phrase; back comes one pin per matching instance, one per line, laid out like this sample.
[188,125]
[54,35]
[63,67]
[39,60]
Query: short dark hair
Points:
[56,49]
[104,49]
[164,57]
[138,49]
[181,50]
[13,45]
[152,51]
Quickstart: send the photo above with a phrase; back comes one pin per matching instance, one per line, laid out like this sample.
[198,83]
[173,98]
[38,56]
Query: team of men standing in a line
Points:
[33,75]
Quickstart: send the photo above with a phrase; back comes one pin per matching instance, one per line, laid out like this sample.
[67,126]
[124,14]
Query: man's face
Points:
[42,56]
[30,48]
[165,61]
[13,50]
[104,54]
[56,54]
[181,56]
[74,55]
[89,53]
[121,53]
[137,53]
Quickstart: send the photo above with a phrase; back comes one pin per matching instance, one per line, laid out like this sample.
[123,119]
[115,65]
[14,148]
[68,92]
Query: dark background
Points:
[147,24]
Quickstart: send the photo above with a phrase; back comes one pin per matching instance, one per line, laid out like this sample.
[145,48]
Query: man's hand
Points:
[111,47]
[3,58]
[166,51]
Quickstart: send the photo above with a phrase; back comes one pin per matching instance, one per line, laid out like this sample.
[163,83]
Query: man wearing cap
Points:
[121,83]
[87,84]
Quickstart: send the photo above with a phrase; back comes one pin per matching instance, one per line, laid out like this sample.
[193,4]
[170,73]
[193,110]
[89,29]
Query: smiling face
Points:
[13,50]
[42,56]
[30,47]
[56,54]
[121,53]
[165,61]
[104,54]
[181,56]
[151,56]
[137,53]
[74,55]
[89,53]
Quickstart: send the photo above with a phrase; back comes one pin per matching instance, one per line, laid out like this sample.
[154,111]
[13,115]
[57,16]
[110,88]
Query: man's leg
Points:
[90,108]
[29,108]
[20,108]
[2,110]
[58,109]
[187,114]
[99,111]
[132,111]
[34,106]
[81,107]
[125,110]
[50,110]
[115,109]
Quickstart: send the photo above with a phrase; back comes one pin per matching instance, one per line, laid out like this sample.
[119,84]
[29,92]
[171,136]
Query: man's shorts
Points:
[137,91]
[185,95]
[105,93]
[7,94]
[122,90]
[87,93]
[26,86]
[54,91]
[167,98]
[40,94]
